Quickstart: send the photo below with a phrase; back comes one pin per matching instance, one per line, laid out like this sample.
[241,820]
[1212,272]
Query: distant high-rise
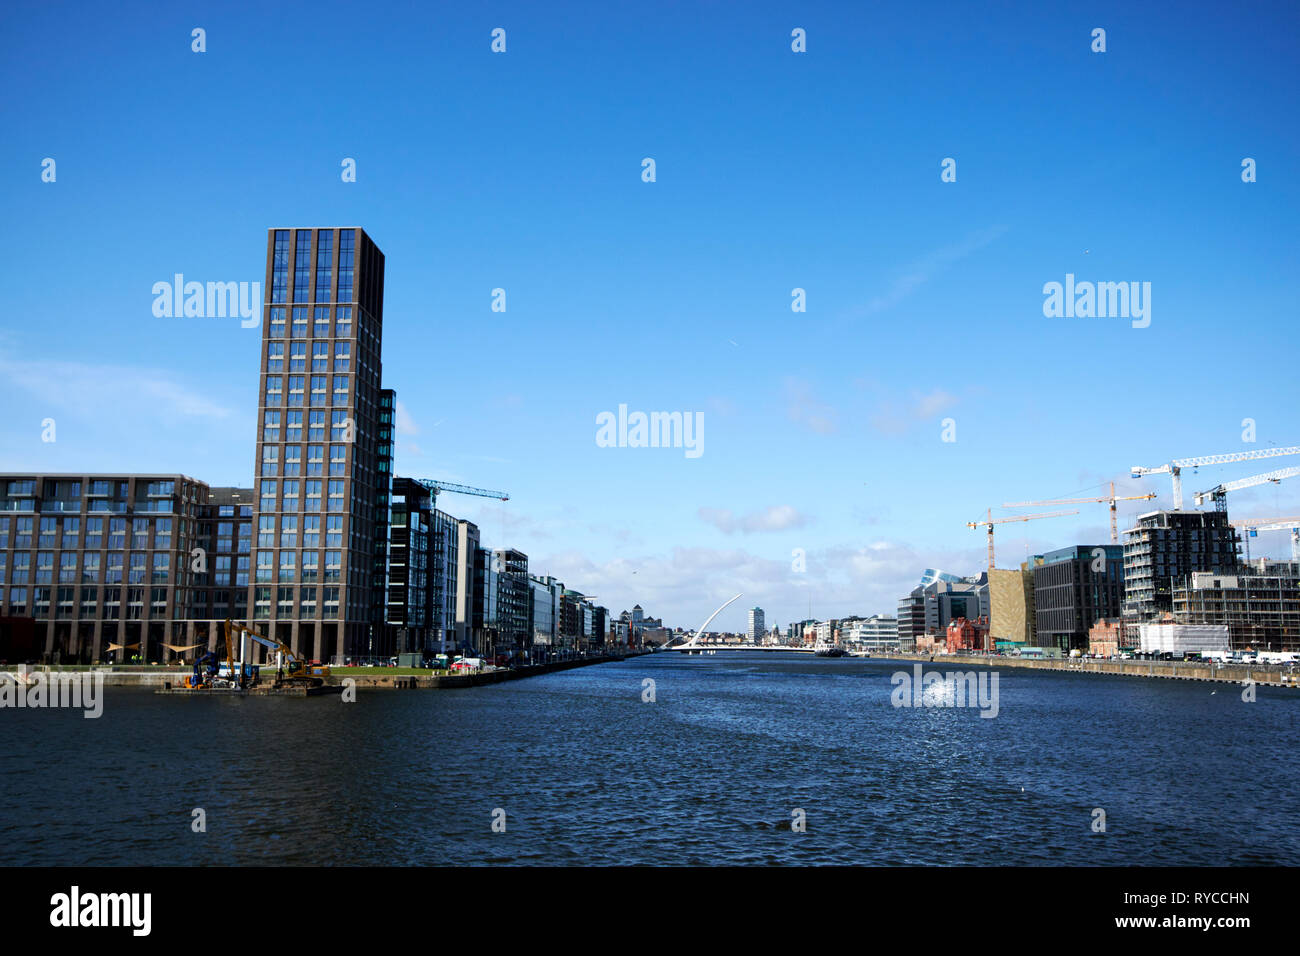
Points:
[757,627]
[321,506]
[1165,548]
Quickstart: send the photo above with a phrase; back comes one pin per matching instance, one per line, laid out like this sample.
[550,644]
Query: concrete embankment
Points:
[167,679]
[1172,670]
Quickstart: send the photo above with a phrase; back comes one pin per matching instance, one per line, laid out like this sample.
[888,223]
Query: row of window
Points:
[317,317]
[69,535]
[320,356]
[291,486]
[274,396]
[114,566]
[303,262]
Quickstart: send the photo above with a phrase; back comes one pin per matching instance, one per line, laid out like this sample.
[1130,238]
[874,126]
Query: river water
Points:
[583,770]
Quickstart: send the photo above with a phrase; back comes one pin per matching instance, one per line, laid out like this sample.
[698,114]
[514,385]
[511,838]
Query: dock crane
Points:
[1112,498]
[1174,468]
[991,521]
[1252,525]
[1219,494]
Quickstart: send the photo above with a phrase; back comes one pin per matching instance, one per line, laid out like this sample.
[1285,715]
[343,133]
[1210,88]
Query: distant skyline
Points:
[822,431]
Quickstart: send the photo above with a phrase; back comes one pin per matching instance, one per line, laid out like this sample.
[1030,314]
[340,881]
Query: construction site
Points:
[1181,582]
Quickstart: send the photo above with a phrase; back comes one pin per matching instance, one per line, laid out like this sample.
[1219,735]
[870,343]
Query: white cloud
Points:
[773,518]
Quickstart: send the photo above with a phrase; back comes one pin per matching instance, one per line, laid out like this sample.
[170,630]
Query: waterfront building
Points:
[1073,588]
[513,629]
[1011,605]
[1181,639]
[319,408]
[911,618]
[467,549]
[409,593]
[1164,547]
[757,628]
[1105,637]
[118,560]
[1259,604]
[967,635]
[877,634]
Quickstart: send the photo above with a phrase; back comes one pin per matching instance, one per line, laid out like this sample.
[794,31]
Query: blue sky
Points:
[775,170]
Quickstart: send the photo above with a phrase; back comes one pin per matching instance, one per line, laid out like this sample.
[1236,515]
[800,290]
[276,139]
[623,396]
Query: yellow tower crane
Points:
[991,521]
[1112,498]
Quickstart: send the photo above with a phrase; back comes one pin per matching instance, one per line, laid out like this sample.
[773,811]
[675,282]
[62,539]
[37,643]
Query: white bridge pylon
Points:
[694,641]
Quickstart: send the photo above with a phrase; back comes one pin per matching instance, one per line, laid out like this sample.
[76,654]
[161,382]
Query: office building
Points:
[320,511]
[1073,589]
[756,628]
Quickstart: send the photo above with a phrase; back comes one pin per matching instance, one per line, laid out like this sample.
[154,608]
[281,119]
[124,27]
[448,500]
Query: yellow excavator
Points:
[290,669]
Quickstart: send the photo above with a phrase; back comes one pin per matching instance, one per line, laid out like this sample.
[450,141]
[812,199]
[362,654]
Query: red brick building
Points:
[968,635]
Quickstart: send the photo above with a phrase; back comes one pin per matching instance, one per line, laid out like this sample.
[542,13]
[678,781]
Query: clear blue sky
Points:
[775,170]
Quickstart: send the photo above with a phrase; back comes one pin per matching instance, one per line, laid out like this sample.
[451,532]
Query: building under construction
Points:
[1164,548]
[1259,603]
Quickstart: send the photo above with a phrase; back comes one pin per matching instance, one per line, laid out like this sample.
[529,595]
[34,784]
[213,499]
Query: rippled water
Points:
[708,773]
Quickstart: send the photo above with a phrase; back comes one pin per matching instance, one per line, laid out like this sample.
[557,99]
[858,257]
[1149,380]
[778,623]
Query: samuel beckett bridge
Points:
[696,646]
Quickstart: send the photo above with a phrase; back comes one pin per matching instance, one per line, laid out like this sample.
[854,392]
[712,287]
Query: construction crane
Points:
[1174,468]
[1219,494]
[1251,525]
[436,486]
[991,521]
[1114,526]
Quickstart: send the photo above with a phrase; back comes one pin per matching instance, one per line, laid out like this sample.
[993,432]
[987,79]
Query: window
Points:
[294,426]
[288,565]
[307,601]
[334,531]
[241,573]
[117,533]
[45,567]
[324,261]
[274,396]
[310,565]
[336,495]
[139,533]
[311,532]
[340,426]
[347,240]
[338,460]
[318,390]
[277,322]
[71,529]
[265,564]
[161,566]
[296,385]
[316,429]
[288,532]
[331,602]
[292,459]
[22,533]
[18,597]
[266,531]
[114,573]
[48,528]
[268,495]
[284,602]
[269,455]
[342,356]
[322,330]
[340,389]
[302,265]
[320,357]
[333,565]
[275,356]
[297,356]
[313,495]
[280,267]
[136,573]
[68,567]
[300,322]
[261,602]
[3,559]
[290,495]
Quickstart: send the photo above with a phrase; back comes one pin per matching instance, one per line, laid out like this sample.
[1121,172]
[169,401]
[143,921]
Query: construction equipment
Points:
[1252,525]
[1174,468]
[291,670]
[436,486]
[1219,494]
[991,521]
[1114,525]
